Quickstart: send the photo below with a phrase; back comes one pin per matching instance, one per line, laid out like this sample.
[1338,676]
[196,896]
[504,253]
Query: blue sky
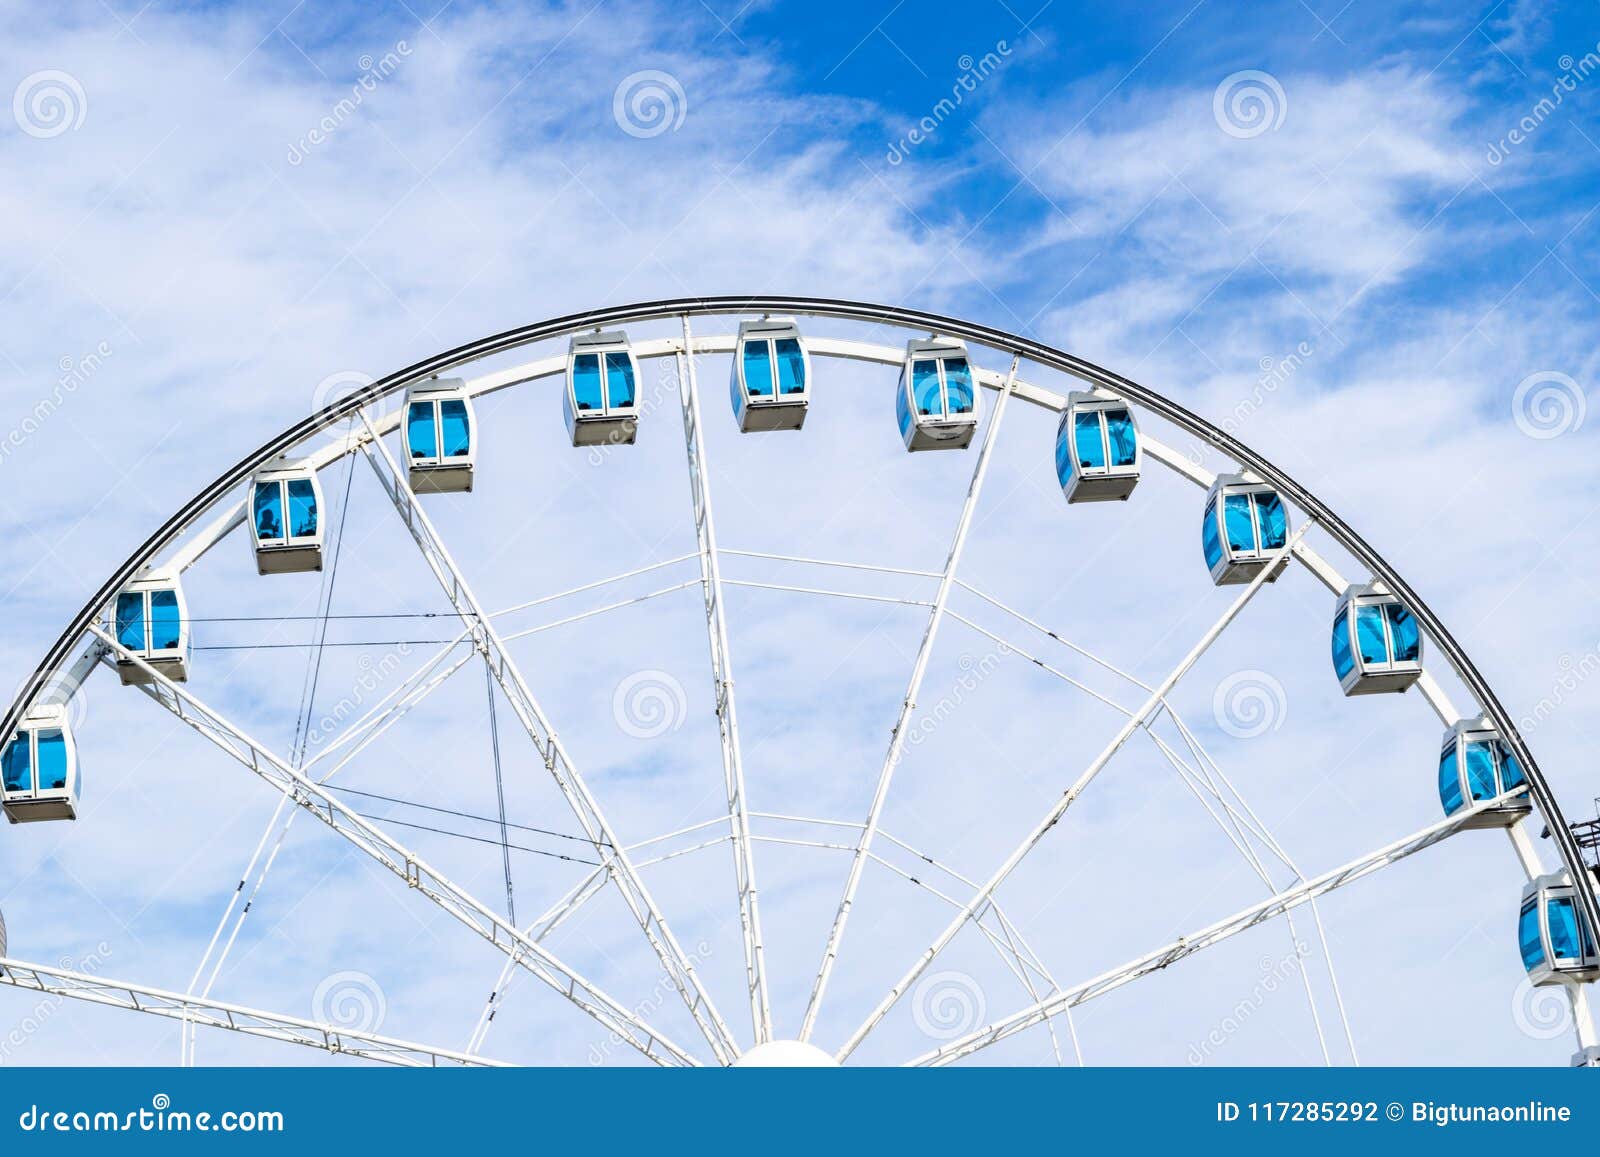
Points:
[1396,204]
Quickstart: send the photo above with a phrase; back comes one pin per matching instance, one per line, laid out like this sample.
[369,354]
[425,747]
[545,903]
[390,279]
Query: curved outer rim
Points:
[1342,532]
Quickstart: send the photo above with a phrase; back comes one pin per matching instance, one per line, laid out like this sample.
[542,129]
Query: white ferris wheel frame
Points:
[215,513]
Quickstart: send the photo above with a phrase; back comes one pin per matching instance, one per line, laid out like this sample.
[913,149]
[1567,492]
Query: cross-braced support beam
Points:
[705,528]
[908,705]
[1154,704]
[608,848]
[60,982]
[400,860]
[1243,920]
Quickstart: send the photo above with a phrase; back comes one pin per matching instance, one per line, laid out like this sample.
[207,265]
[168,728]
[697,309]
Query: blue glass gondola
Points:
[39,769]
[601,404]
[1557,945]
[1097,448]
[151,620]
[1377,644]
[440,436]
[1475,765]
[936,402]
[771,375]
[1245,524]
[286,518]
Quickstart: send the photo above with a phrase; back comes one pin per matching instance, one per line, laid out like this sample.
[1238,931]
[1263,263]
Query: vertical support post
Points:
[897,738]
[705,529]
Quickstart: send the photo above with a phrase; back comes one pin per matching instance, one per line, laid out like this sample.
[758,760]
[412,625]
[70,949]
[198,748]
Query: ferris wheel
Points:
[427,437]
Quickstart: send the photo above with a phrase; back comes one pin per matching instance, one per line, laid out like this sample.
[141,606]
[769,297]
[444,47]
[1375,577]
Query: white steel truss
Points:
[1156,702]
[1258,913]
[401,860]
[227,514]
[608,848]
[722,688]
[206,1013]
[908,705]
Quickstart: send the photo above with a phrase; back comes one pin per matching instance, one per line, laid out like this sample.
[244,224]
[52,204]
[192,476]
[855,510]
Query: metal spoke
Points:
[1155,703]
[722,688]
[556,760]
[1258,913]
[908,705]
[399,859]
[206,1013]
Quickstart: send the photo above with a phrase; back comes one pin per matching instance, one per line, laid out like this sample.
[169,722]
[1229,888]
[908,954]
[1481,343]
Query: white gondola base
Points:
[1245,526]
[601,405]
[1555,940]
[1475,766]
[39,770]
[286,519]
[150,618]
[1377,644]
[770,379]
[936,399]
[440,436]
[1098,455]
